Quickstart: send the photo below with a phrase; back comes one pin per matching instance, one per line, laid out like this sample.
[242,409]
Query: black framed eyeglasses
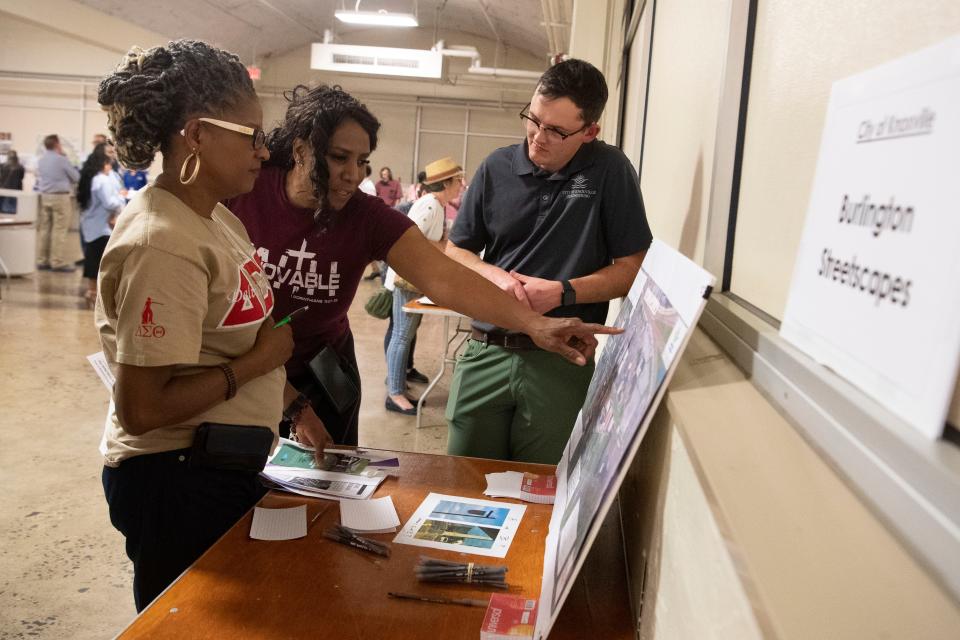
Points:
[259,137]
[552,134]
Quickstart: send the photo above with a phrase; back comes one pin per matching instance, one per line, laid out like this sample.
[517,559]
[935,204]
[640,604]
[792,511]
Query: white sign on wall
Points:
[876,286]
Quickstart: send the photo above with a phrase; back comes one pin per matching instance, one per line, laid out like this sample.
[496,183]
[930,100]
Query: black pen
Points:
[466,602]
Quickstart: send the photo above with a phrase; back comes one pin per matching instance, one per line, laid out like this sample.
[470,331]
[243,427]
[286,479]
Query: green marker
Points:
[290,315]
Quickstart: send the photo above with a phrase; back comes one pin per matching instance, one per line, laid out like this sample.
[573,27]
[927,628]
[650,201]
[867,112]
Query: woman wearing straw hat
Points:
[443,180]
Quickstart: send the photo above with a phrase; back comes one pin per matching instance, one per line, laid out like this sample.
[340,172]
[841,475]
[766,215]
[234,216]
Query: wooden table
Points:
[313,587]
[449,356]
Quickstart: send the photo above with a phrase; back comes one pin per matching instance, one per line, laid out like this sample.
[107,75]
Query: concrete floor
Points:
[63,571]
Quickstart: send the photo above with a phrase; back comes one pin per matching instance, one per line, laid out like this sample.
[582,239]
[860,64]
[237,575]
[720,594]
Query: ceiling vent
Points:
[381,61]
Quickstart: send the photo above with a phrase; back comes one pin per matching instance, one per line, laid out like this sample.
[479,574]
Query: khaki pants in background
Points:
[53,221]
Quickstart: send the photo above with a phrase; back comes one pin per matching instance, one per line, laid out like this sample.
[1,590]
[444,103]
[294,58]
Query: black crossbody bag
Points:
[231,447]
[335,383]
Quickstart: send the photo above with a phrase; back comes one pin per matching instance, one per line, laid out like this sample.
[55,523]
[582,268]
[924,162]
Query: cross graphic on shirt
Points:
[301,255]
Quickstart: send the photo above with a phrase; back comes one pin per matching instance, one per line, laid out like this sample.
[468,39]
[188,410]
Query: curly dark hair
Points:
[313,115]
[91,167]
[152,93]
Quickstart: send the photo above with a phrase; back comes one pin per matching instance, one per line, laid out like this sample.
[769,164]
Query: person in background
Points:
[453,205]
[11,177]
[184,309]
[100,198]
[133,181]
[55,180]
[561,222]
[367,185]
[442,181]
[315,233]
[413,194]
[388,189]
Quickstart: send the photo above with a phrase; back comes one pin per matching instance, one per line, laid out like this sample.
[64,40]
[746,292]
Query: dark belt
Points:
[516,341]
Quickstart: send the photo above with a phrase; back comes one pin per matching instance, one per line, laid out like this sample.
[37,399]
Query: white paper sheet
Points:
[370,516]
[99,363]
[426,300]
[279,524]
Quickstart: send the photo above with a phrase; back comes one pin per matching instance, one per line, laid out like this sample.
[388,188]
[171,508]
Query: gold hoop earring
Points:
[196,168]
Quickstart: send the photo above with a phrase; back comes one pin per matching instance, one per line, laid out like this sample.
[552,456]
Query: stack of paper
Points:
[528,487]
[370,516]
[293,468]
[509,618]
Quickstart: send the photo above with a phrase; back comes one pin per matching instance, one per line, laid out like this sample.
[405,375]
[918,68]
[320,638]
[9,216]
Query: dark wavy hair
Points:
[91,167]
[313,115]
[579,81]
[152,93]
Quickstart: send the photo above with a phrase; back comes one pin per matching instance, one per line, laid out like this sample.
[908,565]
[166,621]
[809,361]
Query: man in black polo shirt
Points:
[561,221]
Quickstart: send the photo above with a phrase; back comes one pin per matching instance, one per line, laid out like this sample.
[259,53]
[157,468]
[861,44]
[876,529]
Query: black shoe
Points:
[393,406]
[43,267]
[67,268]
[415,376]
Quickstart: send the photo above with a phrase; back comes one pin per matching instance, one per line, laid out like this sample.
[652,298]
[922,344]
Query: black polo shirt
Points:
[556,226]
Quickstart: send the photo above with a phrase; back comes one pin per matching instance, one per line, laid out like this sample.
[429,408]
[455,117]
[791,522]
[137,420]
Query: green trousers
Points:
[514,405]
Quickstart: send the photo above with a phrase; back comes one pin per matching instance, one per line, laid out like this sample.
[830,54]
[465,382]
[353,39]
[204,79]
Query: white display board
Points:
[875,293]
[632,374]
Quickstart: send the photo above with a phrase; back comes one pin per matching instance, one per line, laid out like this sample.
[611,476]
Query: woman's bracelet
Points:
[295,409]
[231,379]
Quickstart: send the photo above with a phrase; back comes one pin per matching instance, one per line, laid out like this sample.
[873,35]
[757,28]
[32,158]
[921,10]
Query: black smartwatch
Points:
[569,296]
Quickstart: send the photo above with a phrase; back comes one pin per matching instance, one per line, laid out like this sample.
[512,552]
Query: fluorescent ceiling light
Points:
[379,18]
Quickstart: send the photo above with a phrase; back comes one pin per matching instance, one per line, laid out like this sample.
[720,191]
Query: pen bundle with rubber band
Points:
[345,535]
[436,570]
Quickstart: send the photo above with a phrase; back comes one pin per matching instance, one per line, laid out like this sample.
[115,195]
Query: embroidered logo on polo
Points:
[148,328]
[252,299]
[298,269]
[579,188]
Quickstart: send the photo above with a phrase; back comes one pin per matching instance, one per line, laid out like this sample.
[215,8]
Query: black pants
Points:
[343,427]
[92,254]
[170,514]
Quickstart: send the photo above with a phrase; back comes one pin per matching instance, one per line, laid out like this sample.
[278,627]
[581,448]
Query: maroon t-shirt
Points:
[307,266]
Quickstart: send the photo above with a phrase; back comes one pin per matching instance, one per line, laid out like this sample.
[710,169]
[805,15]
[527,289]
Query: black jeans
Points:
[343,427]
[170,514]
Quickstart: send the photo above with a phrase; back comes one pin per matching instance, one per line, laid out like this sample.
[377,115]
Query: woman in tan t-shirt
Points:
[184,310]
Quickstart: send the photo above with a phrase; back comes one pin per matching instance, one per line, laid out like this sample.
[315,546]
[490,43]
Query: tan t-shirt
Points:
[179,289]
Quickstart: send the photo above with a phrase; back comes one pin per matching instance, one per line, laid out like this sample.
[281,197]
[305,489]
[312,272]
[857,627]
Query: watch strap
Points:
[569,296]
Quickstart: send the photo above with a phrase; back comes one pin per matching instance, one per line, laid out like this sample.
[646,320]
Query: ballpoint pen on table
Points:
[290,315]
[319,513]
[466,602]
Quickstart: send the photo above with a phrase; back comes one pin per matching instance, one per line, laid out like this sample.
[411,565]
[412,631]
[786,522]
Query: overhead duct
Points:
[383,61]
[418,63]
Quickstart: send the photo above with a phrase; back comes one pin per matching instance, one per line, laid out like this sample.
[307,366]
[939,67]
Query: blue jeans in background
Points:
[404,331]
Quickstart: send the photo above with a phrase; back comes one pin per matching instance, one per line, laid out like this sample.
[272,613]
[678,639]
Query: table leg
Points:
[436,378]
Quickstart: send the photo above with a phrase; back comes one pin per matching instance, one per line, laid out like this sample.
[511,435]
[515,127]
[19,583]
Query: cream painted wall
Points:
[85,43]
[688,54]
[793,68]
[699,593]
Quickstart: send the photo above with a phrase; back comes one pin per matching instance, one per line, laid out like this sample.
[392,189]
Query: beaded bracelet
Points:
[231,379]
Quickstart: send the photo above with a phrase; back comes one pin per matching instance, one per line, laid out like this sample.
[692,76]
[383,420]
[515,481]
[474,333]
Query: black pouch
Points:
[335,383]
[231,447]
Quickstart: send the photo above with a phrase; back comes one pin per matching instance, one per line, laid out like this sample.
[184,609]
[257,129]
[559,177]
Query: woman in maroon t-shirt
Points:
[315,232]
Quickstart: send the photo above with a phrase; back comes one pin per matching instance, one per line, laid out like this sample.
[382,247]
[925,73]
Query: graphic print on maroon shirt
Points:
[310,266]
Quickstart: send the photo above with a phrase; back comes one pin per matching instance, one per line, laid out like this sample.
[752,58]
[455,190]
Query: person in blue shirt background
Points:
[134,180]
